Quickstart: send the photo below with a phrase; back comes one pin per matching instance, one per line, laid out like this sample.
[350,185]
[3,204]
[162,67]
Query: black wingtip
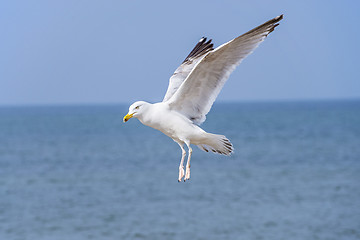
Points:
[271,24]
[278,18]
[275,22]
[201,48]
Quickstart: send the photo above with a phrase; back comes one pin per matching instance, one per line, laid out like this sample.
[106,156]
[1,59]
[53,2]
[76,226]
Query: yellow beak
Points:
[128,116]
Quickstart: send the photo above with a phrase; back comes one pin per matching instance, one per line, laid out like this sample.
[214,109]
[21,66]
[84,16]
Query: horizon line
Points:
[216,102]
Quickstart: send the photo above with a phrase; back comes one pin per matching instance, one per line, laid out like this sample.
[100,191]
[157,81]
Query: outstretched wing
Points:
[180,74]
[199,90]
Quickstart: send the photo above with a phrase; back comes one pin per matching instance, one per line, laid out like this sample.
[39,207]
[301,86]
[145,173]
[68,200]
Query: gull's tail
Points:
[217,144]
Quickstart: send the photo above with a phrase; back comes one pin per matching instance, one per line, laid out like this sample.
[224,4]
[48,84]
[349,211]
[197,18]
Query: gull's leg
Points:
[181,167]
[187,175]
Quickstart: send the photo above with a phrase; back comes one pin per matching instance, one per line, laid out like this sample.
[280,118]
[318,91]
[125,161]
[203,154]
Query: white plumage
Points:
[192,91]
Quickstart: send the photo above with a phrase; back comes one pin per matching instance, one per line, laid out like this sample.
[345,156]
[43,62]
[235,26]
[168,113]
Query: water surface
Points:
[78,172]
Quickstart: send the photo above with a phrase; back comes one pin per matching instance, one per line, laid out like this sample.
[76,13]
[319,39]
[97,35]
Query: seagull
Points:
[192,91]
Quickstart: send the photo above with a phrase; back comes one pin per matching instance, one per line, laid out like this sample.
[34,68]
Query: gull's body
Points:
[193,89]
[171,123]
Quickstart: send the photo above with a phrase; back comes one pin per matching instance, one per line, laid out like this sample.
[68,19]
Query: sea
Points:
[79,172]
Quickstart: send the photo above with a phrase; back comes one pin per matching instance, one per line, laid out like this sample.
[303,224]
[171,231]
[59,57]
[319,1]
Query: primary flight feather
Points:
[192,91]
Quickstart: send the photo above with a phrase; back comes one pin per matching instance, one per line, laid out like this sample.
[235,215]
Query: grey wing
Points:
[180,74]
[198,92]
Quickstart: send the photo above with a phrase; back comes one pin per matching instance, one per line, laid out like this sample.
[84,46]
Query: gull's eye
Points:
[137,107]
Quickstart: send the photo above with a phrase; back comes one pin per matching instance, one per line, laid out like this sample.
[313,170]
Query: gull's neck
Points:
[151,115]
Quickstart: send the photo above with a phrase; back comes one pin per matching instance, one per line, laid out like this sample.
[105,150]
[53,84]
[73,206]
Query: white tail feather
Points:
[217,144]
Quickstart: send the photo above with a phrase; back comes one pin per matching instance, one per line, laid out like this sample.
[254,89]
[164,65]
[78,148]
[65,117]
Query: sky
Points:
[99,52]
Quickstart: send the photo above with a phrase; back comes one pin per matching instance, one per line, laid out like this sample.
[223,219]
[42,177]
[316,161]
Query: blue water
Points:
[78,172]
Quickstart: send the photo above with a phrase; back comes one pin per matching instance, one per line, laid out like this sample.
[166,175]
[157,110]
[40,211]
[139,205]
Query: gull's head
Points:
[136,109]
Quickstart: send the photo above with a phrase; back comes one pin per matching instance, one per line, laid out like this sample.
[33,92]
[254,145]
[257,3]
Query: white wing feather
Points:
[199,90]
[180,74]
[178,78]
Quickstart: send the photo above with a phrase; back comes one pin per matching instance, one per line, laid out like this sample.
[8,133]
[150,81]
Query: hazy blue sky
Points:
[55,52]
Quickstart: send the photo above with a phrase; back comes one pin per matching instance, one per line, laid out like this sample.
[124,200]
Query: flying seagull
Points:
[192,91]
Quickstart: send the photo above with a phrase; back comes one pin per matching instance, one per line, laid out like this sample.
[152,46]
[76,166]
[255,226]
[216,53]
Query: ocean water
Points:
[78,172]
